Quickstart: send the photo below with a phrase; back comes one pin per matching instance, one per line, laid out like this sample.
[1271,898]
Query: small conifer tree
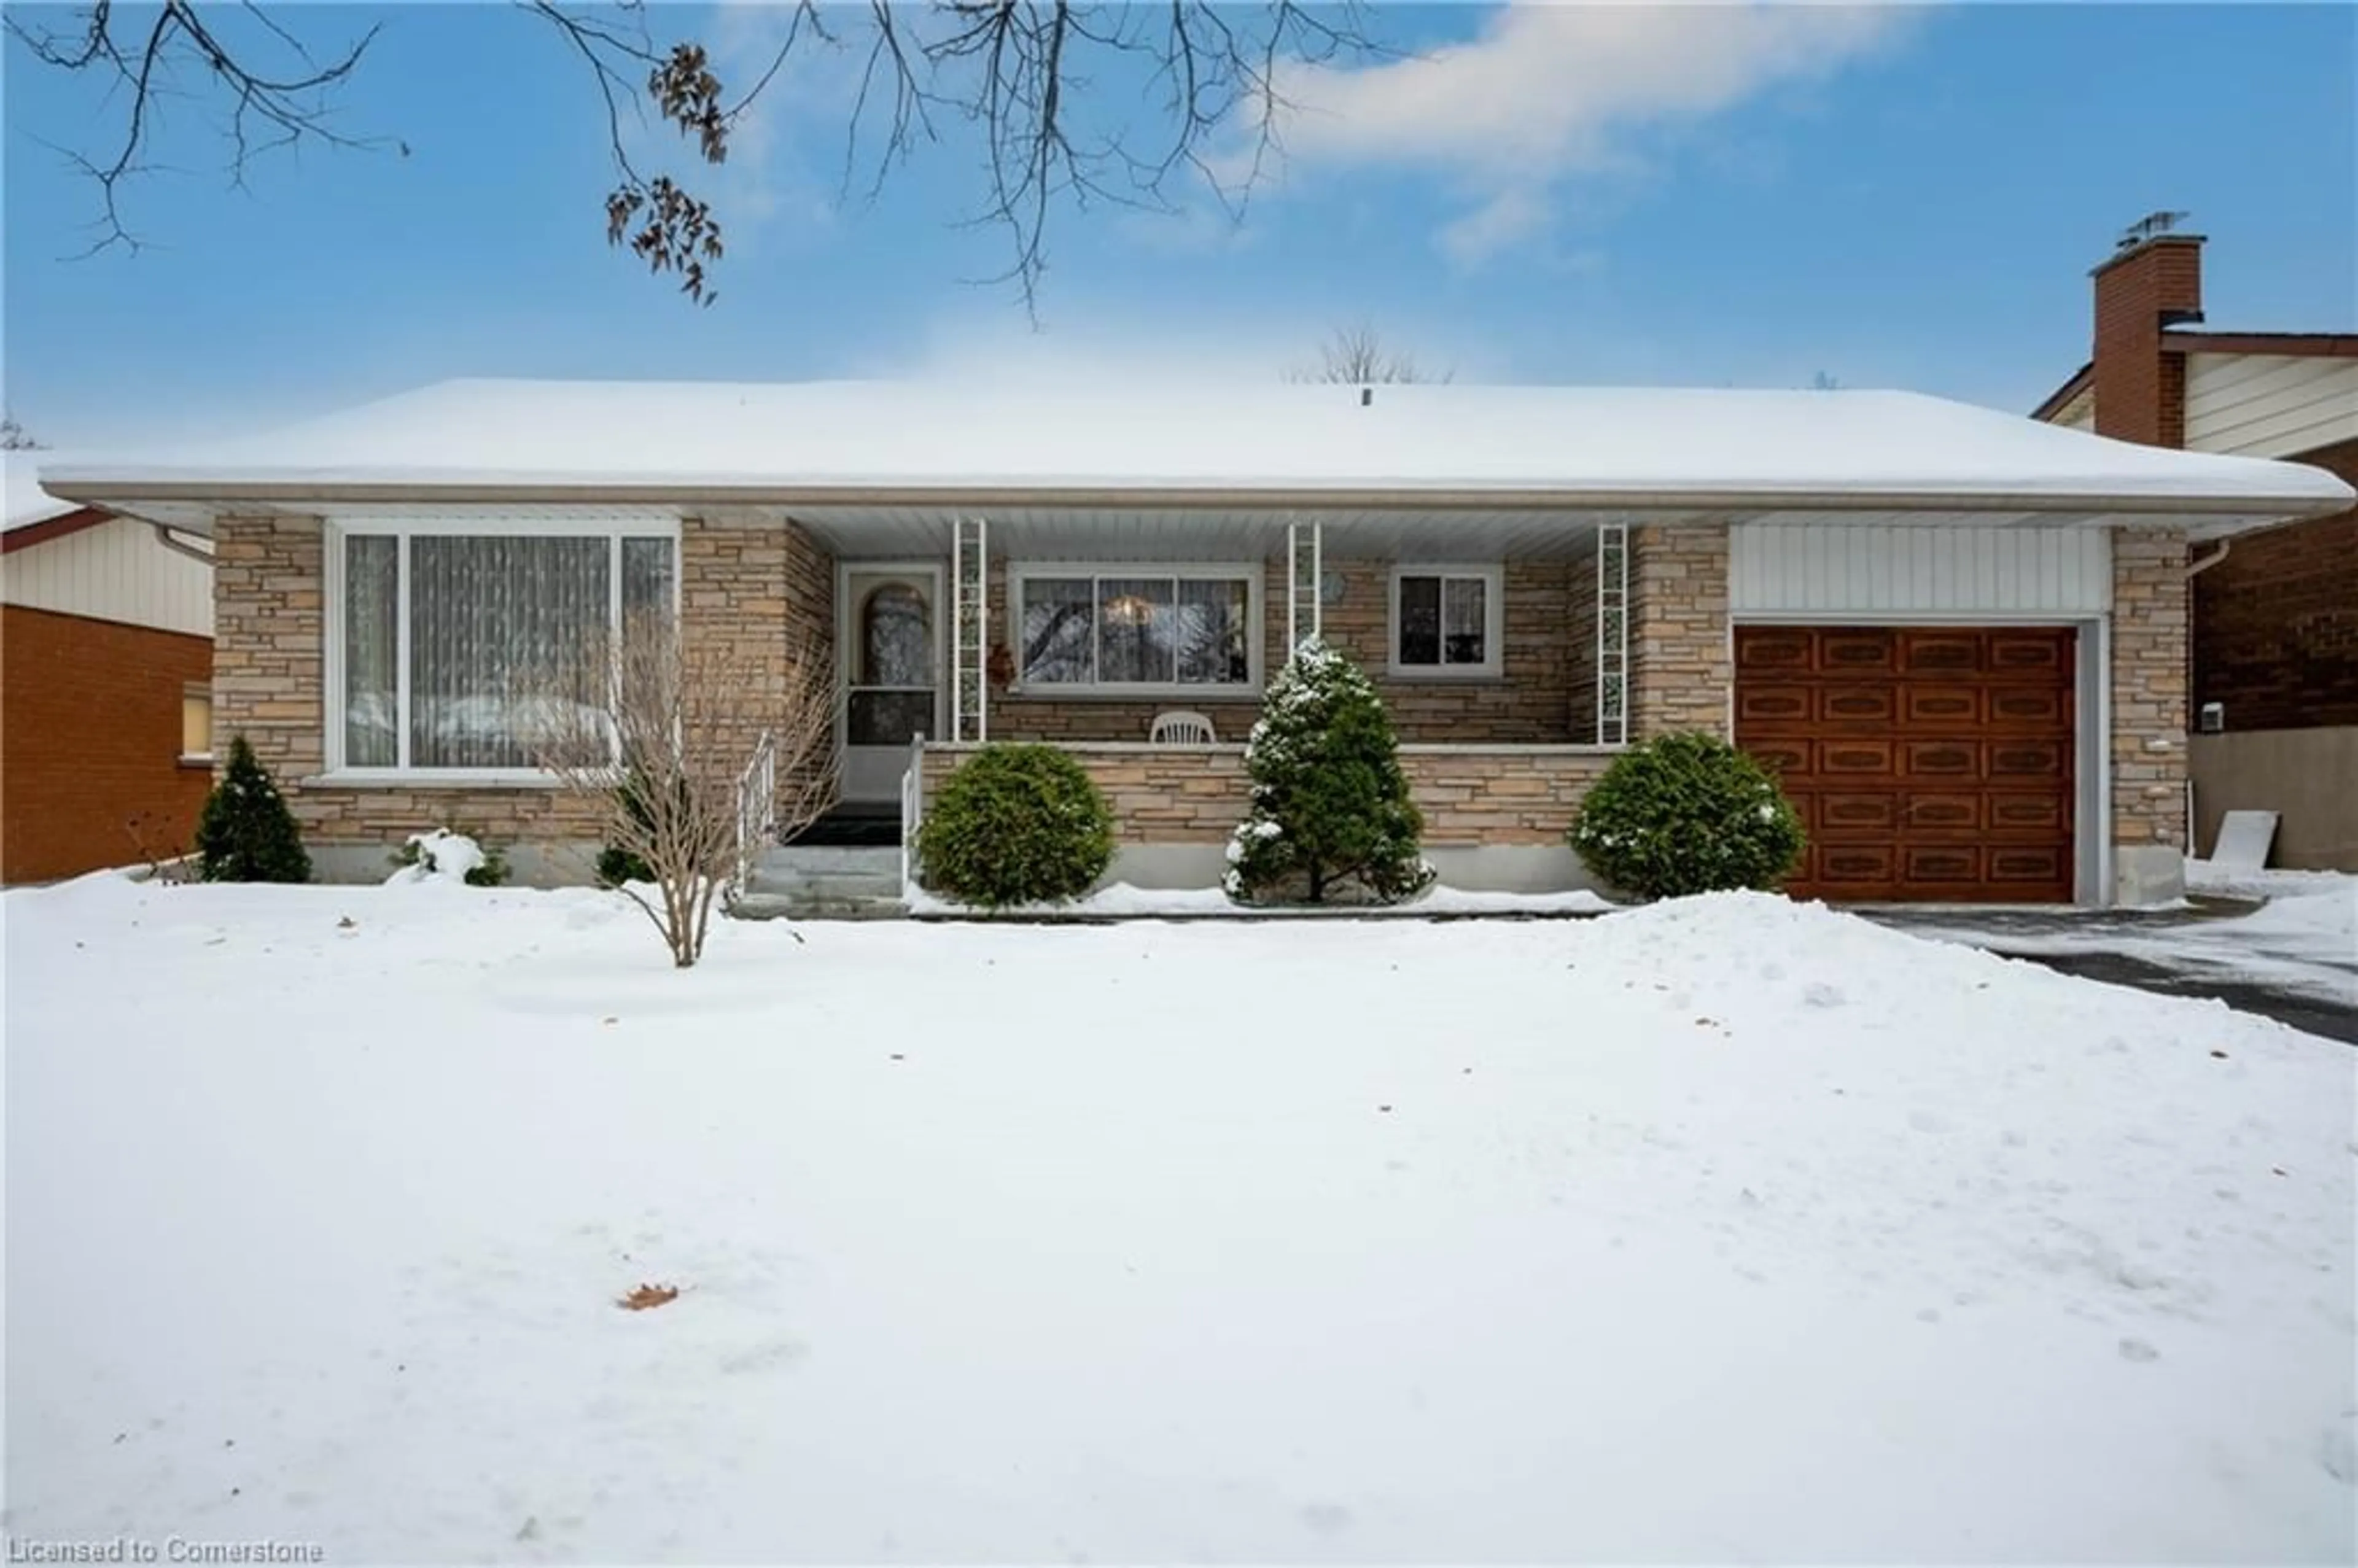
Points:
[246,834]
[1330,814]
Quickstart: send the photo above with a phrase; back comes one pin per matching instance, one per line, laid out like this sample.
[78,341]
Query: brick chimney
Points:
[2154,281]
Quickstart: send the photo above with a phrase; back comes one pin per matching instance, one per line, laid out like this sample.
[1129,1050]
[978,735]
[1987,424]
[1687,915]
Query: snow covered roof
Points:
[1537,445]
[23,502]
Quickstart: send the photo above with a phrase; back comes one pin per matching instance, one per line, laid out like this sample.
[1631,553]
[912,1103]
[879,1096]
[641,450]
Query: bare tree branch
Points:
[1357,356]
[1026,78]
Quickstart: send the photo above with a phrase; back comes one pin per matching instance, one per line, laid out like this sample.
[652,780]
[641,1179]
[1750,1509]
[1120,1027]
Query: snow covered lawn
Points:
[1723,1229]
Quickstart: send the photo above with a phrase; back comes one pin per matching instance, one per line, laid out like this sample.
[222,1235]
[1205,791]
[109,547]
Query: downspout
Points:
[180,547]
[2193,570]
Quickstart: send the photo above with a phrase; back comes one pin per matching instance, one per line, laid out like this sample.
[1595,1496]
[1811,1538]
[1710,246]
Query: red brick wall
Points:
[90,739]
[2138,398]
[2276,623]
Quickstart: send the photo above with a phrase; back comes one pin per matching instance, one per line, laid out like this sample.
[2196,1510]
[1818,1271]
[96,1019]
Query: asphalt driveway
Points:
[2303,974]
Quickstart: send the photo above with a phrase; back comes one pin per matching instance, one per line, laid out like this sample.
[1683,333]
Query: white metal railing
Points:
[912,809]
[1613,635]
[757,807]
[970,629]
[1305,578]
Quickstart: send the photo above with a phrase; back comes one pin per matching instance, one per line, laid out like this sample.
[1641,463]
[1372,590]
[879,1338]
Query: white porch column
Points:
[1305,563]
[970,629]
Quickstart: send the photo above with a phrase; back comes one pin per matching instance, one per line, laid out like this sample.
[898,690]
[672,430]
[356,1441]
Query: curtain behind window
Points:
[487,617]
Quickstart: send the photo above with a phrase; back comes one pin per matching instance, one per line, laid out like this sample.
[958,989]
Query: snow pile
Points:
[2203,877]
[1724,1230]
[441,856]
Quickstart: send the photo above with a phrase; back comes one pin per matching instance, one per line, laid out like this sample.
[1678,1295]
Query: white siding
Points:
[116,571]
[1950,569]
[2269,405]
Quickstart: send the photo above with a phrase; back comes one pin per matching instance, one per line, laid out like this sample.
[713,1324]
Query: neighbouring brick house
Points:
[106,661]
[2273,699]
[1958,634]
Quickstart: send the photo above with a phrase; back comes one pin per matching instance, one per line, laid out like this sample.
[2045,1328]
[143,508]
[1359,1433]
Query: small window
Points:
[196,722]
[1445,621]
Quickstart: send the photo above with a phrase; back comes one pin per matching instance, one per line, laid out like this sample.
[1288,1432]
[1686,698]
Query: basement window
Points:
[197,724]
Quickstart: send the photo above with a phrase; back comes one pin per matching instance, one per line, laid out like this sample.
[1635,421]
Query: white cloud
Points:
[1547,91]
[1511,216]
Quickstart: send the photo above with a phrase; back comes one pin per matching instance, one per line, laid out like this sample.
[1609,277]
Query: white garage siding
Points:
[2269,405]
[1850,569]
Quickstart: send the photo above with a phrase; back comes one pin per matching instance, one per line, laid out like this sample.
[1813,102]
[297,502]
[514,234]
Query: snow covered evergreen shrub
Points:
[1687,814]
[246,834]
[1016,825]
[1331,815]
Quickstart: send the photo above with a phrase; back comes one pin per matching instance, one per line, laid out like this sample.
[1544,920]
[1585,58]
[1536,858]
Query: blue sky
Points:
[1907,197]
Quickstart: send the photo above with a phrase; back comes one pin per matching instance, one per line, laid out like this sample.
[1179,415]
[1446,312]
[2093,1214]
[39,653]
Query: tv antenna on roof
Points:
[2151,226]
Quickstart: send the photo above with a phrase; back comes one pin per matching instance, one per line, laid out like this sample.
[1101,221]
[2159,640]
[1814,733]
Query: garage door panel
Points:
[1957,811]
[1942,707]
[1842,810]
[2014,865]
[1767,648]
[1939,654]
[1865,870]
[2026,813]
[1925,763]
[1856,757]
[1846,652]
[1942,759]
[2029,707]
[1856,704]
[1775,704]
[2044,652]
[1939,865]
[2029,757]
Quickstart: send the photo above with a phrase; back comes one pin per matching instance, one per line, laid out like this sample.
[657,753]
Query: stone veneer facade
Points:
[1197,795]
[1681,674]
[765,593]
[2148,682]
[1533,702]
[756,593]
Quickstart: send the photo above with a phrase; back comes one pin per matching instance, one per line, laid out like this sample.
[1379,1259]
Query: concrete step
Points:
[753,906]
[803,859]
[824,887]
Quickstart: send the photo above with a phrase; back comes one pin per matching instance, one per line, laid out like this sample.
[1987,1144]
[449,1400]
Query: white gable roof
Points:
[932,439]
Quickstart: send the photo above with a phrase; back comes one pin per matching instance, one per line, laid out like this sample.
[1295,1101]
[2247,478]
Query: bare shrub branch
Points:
[655,732]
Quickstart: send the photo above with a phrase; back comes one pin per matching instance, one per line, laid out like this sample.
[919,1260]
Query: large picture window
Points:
[1137,627]
[442,635]
[1445,621]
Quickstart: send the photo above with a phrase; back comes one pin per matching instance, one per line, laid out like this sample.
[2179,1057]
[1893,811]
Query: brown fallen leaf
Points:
[648,1296]
[346,924]
[2221,1054]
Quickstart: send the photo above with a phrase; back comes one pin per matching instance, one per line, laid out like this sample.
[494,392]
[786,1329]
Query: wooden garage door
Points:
[1927,763]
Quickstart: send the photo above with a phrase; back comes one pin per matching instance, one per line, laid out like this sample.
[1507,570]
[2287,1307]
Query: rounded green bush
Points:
[1687,814]
[1016,825]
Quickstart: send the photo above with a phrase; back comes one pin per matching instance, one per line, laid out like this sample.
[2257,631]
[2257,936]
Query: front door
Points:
[889,647]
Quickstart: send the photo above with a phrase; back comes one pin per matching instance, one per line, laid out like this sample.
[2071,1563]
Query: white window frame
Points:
[613,530]
[1249,572]
[1493,576]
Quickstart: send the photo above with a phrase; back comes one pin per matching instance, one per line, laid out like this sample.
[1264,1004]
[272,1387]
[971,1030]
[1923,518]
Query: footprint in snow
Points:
[1326,1519]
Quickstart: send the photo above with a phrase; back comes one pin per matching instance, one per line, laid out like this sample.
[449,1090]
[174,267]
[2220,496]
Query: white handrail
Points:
[913,808]
[757,807]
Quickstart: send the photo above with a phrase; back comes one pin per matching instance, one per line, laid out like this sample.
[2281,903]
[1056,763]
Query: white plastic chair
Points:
[1181,728]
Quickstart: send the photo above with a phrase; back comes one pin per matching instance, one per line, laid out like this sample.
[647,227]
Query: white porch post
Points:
[970,629]
[1305,571]
[1613,635]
